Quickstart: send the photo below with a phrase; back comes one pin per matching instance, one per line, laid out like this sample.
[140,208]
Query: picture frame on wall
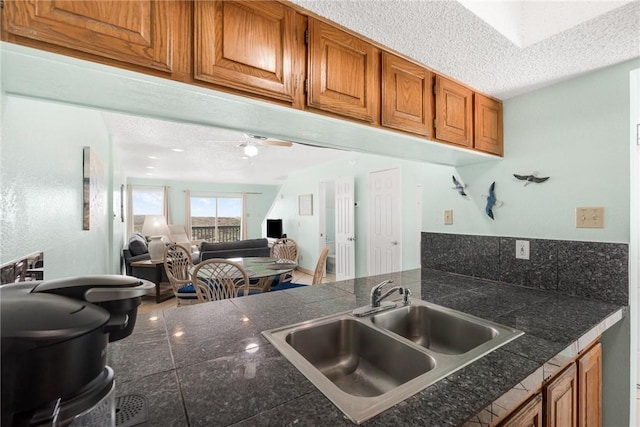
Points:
[93,189]
[305,204]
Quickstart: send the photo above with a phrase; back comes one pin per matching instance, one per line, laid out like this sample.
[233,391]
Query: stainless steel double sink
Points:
[365,365]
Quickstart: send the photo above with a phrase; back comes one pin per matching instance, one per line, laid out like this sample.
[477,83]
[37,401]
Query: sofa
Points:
[136,250]
[238,249]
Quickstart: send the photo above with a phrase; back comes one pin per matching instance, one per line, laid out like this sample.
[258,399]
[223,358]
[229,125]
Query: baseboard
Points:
[305,271]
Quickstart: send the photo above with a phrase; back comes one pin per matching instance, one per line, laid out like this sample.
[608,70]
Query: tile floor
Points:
[149,304]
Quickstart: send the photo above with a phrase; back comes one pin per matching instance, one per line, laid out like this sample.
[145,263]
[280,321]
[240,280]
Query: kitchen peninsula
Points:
[208,364]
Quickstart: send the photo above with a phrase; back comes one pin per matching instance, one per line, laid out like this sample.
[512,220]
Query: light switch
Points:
[448,217]
[590,217]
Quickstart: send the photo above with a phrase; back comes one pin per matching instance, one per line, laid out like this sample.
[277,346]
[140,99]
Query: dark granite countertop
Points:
[209,365]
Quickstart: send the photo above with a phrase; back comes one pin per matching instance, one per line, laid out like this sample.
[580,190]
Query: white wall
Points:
[305,229]
[576,132]
[41,193]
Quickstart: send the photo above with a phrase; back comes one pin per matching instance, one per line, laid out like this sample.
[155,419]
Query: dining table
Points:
[263,270]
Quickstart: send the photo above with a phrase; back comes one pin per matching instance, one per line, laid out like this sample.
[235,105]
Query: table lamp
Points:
[154,228]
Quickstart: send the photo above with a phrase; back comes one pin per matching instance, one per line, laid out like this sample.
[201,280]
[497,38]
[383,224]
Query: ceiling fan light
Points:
[250,150]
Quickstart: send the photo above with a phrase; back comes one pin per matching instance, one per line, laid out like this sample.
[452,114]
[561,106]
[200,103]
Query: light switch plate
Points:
[448,217]
[590,217]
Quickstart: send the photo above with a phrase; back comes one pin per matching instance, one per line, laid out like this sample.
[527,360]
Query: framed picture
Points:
[93,189]
[122,203]
[305,204]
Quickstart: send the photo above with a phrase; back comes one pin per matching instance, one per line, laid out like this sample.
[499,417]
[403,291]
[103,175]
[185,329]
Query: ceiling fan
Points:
[251,142]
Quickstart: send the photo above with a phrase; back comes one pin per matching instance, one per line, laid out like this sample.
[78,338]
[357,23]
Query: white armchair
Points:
[178,235]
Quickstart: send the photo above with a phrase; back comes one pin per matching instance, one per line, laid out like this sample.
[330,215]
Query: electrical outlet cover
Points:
[522,249]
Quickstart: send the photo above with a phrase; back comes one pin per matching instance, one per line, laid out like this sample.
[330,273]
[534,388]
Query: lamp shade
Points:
[155,225]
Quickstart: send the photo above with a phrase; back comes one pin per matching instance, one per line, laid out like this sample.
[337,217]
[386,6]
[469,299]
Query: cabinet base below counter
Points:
[503,410]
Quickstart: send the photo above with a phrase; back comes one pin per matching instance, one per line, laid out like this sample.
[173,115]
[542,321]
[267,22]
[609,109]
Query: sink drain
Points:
[131,410]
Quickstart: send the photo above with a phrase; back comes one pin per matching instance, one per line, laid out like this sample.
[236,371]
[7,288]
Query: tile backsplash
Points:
[588,269]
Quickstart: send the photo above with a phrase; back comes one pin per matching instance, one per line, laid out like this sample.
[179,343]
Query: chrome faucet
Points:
[376,292]
[376,305]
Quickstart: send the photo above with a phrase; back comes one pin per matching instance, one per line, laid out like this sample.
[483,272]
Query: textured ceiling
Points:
[448,38]
[537,43]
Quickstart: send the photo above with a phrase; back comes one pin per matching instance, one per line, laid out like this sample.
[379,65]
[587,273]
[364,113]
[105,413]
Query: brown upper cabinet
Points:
[343,73]
[257,47]
[141,33]
[407,96]
[488,125]
[266,49]
[454,112]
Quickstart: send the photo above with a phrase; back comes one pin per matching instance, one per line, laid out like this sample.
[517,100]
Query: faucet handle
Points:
[377,289]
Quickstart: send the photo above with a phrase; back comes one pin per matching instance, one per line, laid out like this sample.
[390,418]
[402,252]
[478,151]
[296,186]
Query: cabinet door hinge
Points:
[434,90]
[306,85]
[1,4]
[434,123]
[306,37]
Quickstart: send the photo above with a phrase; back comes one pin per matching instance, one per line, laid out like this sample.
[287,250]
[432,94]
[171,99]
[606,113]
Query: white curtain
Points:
[165,203]
[129,211]
[187,213]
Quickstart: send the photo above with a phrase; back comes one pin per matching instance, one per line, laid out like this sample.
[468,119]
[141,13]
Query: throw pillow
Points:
[137,245]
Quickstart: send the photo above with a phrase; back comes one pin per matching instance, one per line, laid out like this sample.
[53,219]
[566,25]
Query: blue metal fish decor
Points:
[458,187]
[491,200]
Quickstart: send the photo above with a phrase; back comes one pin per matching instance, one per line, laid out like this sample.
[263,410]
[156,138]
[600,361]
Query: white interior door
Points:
[345,229]
[385,225]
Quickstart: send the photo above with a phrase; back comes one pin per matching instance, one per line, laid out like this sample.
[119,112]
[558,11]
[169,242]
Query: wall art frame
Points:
[305,204]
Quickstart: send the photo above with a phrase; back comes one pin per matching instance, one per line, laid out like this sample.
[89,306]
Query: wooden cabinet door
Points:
[344,75]
[138,32]
[561,396]
[254,46]
[590,388]
[528,415]
[488,124]
[454,112]
[407,100]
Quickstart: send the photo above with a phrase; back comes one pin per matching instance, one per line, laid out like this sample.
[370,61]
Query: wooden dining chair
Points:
[319,271]
[218,278]
[177,264]
[285,248]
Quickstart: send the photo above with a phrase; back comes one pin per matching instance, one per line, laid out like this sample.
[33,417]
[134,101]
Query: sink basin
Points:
[367,364]
[348,353]
[437,329]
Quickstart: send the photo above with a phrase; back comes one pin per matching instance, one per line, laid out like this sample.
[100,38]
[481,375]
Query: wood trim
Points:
[407,96]
[528,415]
[213,64]
[590,387]
[454,112]
[561,397]
[359,99]
[488,127]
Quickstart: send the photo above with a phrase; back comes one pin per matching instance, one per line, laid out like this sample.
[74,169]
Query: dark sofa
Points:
[241,248]
[129,258]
